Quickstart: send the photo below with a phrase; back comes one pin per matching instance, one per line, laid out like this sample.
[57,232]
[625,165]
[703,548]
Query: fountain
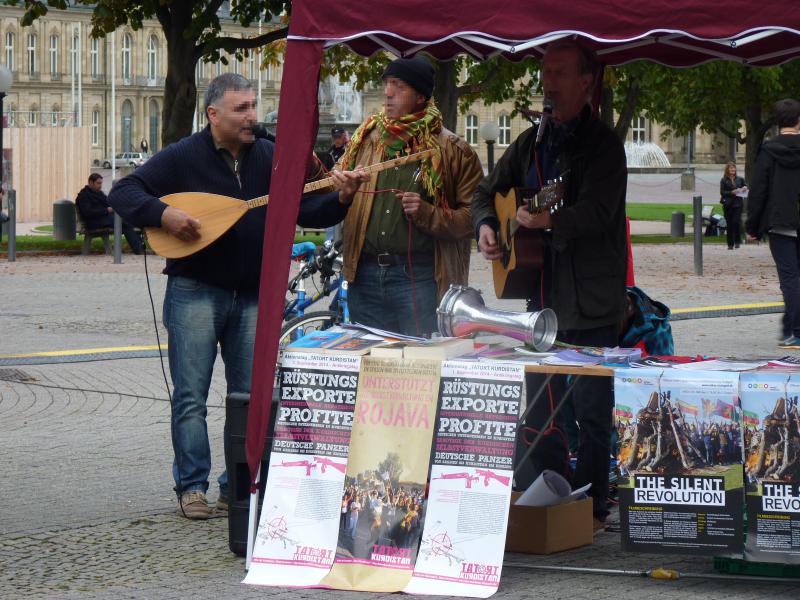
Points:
[648,158]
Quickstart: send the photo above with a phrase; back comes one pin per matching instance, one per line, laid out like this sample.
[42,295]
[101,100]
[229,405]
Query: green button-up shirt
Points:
[387,230]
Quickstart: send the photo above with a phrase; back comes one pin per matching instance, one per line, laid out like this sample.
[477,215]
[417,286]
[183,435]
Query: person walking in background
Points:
[96,212]
[773,209]
[144,146]
[731,190]
[339,139]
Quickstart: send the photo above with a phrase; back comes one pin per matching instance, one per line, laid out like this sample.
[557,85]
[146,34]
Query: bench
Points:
[90,234]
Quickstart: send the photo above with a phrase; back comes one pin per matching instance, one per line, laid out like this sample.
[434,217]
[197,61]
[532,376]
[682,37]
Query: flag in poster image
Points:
[387,469]
[681,460]
[302,511]
[771,431]
[463,541]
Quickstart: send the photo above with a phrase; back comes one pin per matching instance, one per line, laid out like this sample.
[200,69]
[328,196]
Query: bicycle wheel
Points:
[313,321]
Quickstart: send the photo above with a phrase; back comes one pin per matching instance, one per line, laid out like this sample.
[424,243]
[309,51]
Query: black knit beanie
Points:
[416,72]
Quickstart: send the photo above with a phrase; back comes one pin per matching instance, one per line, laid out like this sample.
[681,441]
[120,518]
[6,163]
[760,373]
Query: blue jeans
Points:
[786,254]
[382,297]
[199,316]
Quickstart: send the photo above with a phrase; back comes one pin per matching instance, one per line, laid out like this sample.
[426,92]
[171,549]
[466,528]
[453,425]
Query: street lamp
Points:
[489,131]
[5,84]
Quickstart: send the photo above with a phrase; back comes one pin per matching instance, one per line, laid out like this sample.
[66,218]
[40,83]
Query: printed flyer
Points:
[463,540]
[302,511]
[772,466]
[681,460]
[383,502]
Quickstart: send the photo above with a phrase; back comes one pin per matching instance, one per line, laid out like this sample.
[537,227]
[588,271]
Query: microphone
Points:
[259,131]
[544,121]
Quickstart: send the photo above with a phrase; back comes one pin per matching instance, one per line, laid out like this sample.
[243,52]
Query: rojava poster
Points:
[384,495]
[772,466]
[463,541]
[681,456]
[301,514]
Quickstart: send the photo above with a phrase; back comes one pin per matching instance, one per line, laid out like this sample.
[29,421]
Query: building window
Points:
[54,55]
[638,130]
[73,55]
[54,117]
[219,65]
[95,128]
[127,42]
[152,58]
[32,66]
[201,70]
[10,50]
[94,57]
[504,129]
[32,117]
[471,129]
[236,63]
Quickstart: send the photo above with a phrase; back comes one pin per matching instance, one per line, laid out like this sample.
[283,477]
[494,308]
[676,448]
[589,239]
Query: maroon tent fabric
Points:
[673,32]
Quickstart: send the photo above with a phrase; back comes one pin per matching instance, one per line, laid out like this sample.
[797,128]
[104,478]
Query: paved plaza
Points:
[88,509]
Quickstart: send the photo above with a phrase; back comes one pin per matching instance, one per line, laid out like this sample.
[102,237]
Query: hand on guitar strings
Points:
[348,182]
[487,243]
[536,220]
[180,224]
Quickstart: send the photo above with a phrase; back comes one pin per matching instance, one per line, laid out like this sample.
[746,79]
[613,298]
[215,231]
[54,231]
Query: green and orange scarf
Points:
[403,136]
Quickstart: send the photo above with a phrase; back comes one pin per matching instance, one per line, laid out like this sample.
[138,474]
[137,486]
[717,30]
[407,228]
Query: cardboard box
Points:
[548,529]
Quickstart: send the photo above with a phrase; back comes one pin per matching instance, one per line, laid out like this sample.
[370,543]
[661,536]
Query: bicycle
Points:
[327,262]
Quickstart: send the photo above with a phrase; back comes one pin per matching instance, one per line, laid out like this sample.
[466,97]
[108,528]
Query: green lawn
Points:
[640,211]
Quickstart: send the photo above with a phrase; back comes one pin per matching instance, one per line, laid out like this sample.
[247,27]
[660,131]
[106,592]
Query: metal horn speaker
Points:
[462,312]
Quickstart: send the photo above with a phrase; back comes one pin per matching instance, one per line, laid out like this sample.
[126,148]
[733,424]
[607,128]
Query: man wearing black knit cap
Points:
[407,233]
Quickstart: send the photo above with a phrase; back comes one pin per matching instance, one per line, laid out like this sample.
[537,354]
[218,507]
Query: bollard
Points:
[63,220]
[687,180]
[12,225]
[236,405]
[117,239]
[677,225]
[697,205]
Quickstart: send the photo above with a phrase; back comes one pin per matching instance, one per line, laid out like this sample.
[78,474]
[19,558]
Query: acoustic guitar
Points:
[217,213]
[523,249]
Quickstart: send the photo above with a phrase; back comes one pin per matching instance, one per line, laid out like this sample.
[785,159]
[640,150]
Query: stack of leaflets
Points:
[337,341]
[574,358]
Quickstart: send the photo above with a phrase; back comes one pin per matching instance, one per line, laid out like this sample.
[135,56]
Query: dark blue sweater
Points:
[194,165]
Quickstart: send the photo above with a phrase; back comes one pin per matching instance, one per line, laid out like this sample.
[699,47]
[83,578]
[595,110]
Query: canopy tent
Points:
[672,32]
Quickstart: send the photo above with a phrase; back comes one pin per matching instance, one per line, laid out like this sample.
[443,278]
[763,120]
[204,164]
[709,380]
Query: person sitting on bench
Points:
[96,213]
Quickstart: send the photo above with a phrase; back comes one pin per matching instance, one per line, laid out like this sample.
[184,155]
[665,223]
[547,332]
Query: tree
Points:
[391,466]
[716,97]
[192,29]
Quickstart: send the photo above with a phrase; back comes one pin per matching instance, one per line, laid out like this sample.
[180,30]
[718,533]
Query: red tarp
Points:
[672,32]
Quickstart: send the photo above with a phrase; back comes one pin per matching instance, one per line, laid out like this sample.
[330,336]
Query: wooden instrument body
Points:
[215,212]
[523,250]
[516,273]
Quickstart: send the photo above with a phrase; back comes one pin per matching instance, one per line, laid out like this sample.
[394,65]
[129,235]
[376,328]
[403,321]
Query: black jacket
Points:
[726,196]
[775,187]
[194,165]
[588,245]
[93,208]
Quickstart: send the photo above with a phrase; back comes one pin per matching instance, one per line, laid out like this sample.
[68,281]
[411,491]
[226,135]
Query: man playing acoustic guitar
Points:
[212,295]
[585,254]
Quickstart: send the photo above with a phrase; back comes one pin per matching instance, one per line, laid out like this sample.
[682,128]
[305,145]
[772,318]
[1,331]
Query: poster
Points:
[463,542]
[387,469]
[302,511]
[681,461]
[772,466]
